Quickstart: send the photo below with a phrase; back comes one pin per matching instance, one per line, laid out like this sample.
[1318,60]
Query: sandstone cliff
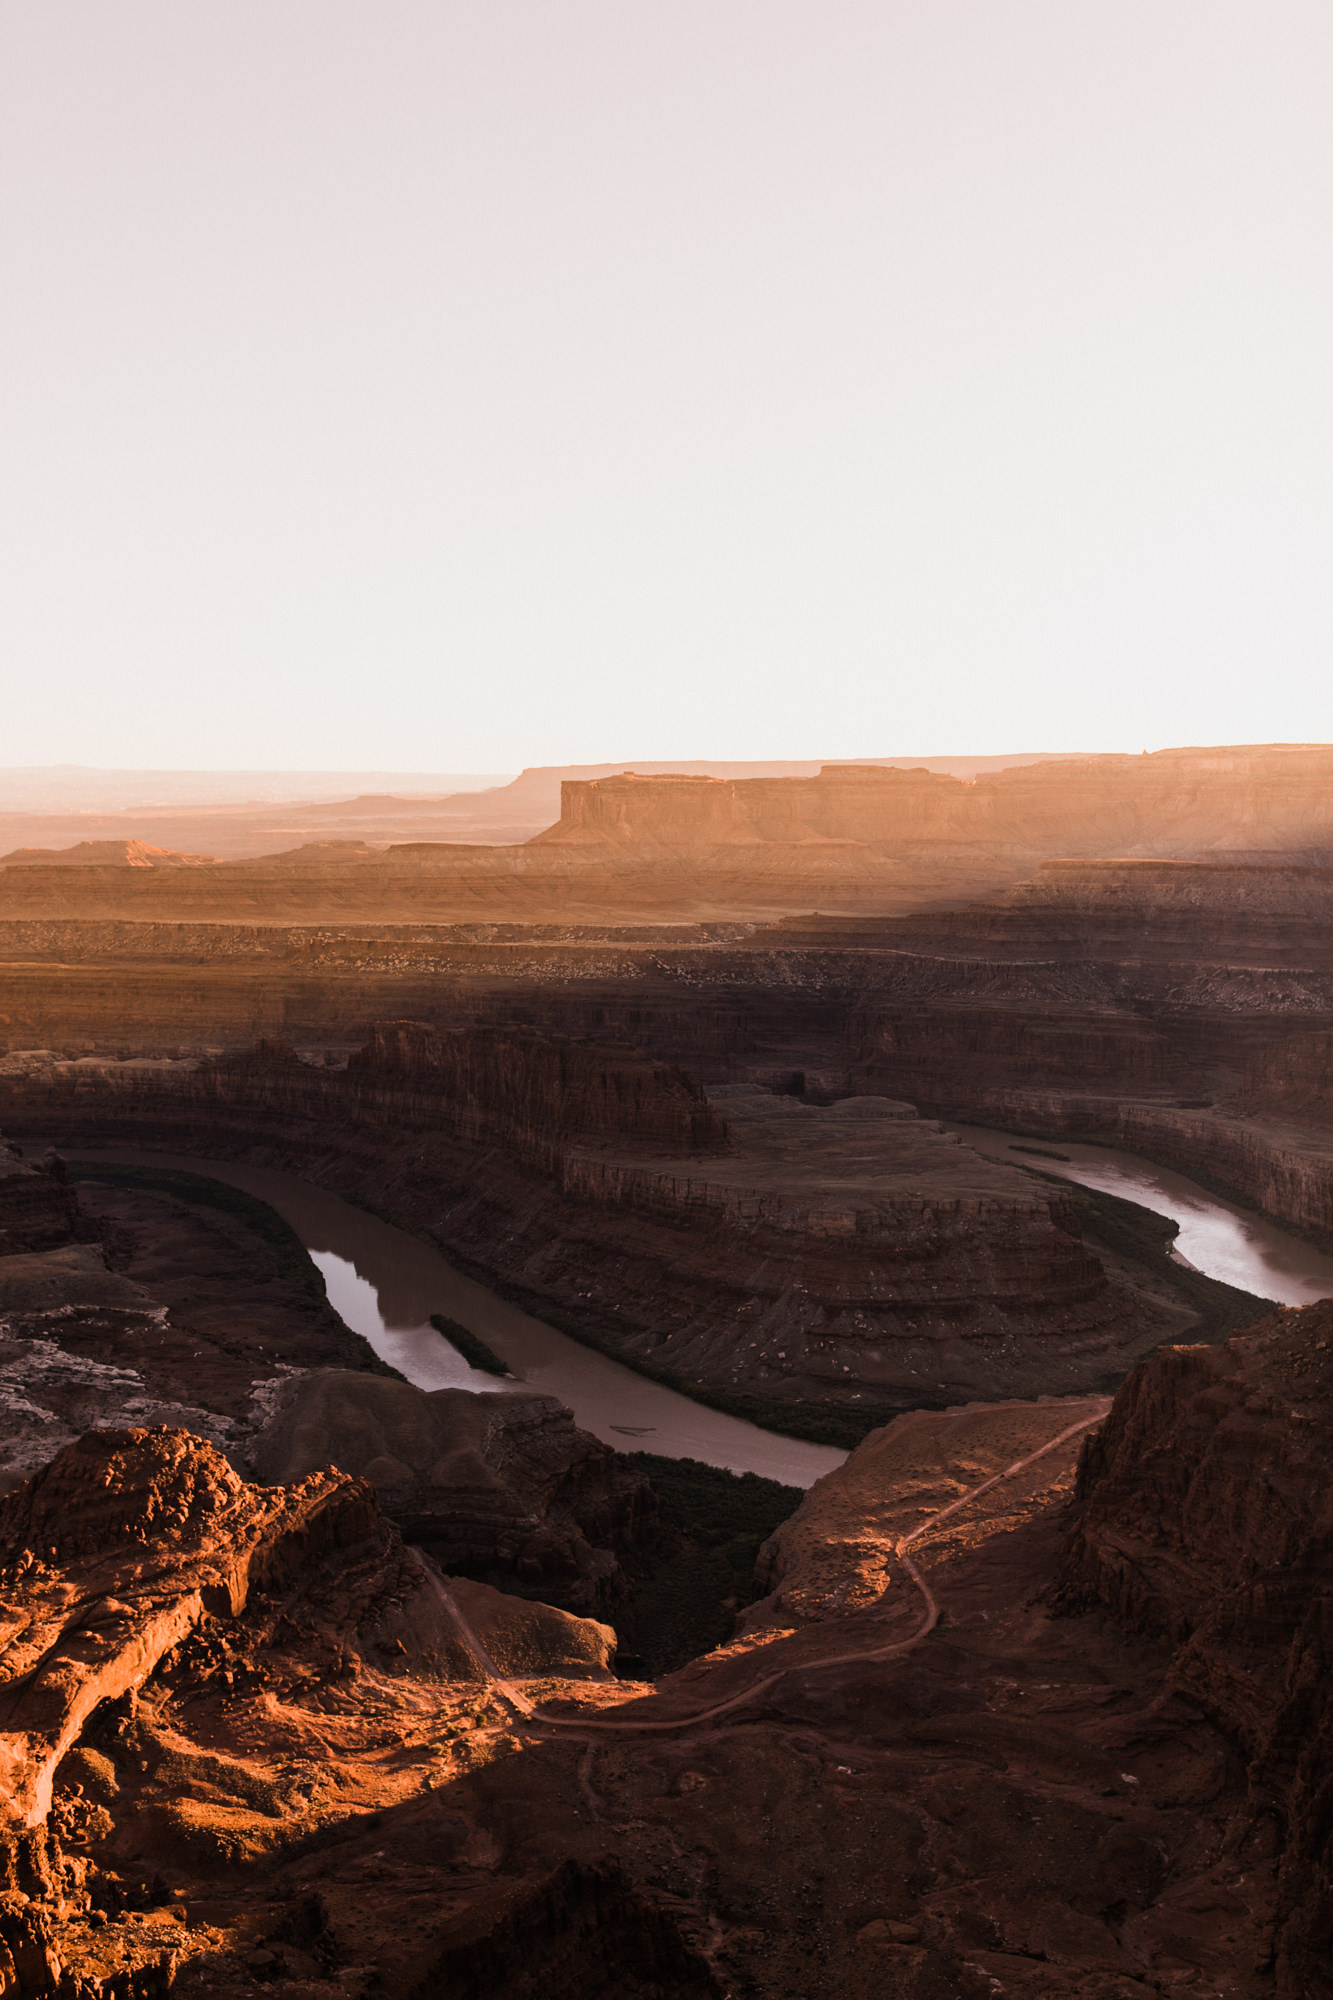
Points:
[1269,798]
[1292,1079]
[195,1675]
[955,1763]
[103,854]
[1204,1516]
[531,1087]
[182,1536]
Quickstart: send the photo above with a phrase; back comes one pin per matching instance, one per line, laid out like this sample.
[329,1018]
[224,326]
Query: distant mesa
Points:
[325,852]
[104,854]
[869,838]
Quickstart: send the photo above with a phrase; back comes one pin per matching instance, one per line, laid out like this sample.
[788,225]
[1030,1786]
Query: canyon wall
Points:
[1292,1078]
[847,1258]
[1265,799]
[528,1086]
[1203,1517]
[38,1209]
[1186,1008]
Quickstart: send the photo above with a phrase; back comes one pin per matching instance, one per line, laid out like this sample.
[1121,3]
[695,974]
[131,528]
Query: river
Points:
[1218,1237]
[385,1284]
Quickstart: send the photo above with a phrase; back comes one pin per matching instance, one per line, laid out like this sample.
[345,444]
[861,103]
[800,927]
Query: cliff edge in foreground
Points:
[1206,1517]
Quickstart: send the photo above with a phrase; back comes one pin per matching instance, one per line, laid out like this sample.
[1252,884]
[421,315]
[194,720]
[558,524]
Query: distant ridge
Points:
[105,854]
[242,815]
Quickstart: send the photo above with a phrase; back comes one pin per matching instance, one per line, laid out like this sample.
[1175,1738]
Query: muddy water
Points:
[1218,1237]
[385,1285]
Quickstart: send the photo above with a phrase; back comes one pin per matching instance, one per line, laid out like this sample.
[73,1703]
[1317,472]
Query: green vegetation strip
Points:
[288,1251]
[470,1345]
[713,1523]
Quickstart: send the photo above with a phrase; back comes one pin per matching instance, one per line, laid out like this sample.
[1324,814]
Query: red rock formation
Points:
[1234,892]
[137,1567]
[1204,1516]
[502,1488]
[531,1086]
[1269,797]
[38,1208]
[114,1553]
[1026,1798]
[844,803]
[103,854]
[854,837]
[1292,1078]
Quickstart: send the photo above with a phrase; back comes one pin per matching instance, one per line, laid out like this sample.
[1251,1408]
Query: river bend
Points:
[386,1284]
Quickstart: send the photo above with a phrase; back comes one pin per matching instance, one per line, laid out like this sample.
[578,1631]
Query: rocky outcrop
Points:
[103,854]
[503,1488]
[112,1556]
[1204,1517]
[323,1787]
[1291,1079]
[38,1208]
[146,1595]
[839,1551]
[528,1087]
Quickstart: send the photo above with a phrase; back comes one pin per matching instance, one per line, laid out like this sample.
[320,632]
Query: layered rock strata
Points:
[851,837]
[38,1209]
[1268,799]
[89,1618]
[830,1254]
[530,1089]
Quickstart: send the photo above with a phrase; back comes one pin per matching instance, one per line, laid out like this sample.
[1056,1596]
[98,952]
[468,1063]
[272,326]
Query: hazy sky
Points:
[432,385]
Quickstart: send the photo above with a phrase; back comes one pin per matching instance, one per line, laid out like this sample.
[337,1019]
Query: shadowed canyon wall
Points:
[1185,1008]
[1203,1518]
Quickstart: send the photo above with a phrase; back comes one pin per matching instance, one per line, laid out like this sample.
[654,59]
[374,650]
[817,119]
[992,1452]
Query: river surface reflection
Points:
[385,1284]
[1218,1237]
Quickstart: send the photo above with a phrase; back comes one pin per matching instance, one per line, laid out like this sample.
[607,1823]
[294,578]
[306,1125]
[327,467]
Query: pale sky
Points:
[425,385]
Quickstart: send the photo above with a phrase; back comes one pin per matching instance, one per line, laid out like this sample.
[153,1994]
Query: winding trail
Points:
[585,1725]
